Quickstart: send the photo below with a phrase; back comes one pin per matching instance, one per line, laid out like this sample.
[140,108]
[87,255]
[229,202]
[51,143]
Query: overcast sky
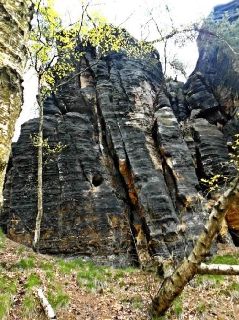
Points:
[133,14]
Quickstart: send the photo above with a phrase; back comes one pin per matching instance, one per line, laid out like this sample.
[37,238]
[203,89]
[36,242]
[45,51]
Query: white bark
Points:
[39,178]
[220,269]
[173,285]
[46,305]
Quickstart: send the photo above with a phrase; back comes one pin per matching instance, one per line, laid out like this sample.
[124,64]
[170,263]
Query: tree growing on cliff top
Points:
[51,50]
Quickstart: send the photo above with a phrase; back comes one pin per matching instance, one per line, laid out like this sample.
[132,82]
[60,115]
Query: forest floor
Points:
[81,290]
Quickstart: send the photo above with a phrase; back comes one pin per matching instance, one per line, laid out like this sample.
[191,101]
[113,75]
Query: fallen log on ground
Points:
[46,305]
[218,269]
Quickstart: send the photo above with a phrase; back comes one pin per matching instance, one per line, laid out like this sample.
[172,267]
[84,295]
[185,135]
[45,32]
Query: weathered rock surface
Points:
[211,93]
[15,18]
[213,86]
[126,183]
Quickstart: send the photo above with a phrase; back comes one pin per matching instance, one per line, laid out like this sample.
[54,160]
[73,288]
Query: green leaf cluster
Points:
[107,38]
[212,183]
[55,49]
[235,154]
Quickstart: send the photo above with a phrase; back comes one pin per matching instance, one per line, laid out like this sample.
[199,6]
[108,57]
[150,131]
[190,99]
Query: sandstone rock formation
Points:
[127,182]
[211,93]
[15,17]
[213,86]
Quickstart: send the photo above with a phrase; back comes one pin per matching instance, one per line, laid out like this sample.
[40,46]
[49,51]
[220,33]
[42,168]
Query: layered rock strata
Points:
[125,183]
[211,93]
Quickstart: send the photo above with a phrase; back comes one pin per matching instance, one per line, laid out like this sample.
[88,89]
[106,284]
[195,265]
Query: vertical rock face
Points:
[14,26]
[213,86]
[126,180]
[211,94]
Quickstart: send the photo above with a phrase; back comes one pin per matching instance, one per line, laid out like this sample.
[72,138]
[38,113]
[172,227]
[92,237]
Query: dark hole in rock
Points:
[235,236]
[97,179]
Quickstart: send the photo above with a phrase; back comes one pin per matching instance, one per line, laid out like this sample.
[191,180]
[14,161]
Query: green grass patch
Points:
[58,298]
[27,263]
[214,279]
[7,285]
[201,307]
[226,259]
[67,266]
[90,275]
[33,281]
[50,275]
[137,302]
[28,305]
[177,306]
[234,286]
[49,269]
[122,272]
[5,304]
[21,249]
[8,288]
[2,239]
[47,266]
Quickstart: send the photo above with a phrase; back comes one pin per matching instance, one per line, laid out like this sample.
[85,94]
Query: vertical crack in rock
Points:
[123,185]
[105,194]
[128,130]
[174,91]
[212,149]
[212,89]
[179,174]
[213,159]
[177,157]
[112,163]
[118,182]
[116,190]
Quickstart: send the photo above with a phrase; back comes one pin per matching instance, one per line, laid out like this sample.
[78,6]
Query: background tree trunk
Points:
[39,175]
[173,285]
[15,22]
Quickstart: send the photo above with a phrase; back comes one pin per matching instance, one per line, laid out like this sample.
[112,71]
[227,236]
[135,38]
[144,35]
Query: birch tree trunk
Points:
[173,285]
[220,269]
[49,312]
[15,18]
[39,175]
